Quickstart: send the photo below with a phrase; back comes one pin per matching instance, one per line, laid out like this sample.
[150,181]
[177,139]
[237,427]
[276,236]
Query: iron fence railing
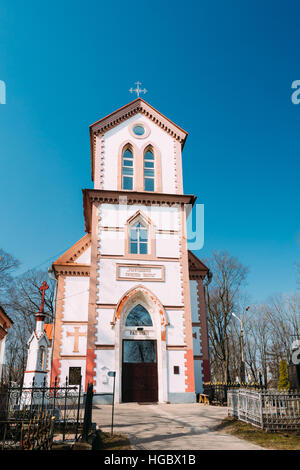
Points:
[272,410]
[33,434]
[217,392]
[66,404]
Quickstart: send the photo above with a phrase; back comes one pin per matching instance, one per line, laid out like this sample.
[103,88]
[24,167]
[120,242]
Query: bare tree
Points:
[8,264]
[25,296]
[24,301]
[259,336]
[272,329]
[251,350]
[283,315]
[223,298]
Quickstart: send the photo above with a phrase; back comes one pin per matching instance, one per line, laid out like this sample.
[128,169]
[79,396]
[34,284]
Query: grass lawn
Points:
[269,440]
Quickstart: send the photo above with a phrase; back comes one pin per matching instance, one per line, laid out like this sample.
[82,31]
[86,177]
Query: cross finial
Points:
[138,90]
[43,288]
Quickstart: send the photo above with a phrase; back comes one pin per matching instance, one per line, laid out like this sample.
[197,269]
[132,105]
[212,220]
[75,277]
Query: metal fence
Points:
[217,392]
[33,434]
[66,404]
[272,410]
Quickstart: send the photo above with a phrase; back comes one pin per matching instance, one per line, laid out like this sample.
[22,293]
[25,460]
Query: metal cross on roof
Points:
[138,90]
[43,288]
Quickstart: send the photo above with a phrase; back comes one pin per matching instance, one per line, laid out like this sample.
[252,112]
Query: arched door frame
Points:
[143,296]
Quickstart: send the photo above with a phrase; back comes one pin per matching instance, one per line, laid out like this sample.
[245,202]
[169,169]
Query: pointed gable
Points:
[40,340]
[73,253]
[76,260]
[126,112]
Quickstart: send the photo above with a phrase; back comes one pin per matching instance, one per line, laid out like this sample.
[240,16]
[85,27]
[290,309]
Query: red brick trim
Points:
[94,289]
[56,365]
[186,298]
[203,330]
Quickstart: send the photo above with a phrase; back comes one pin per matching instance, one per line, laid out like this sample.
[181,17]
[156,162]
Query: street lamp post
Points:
[243,372]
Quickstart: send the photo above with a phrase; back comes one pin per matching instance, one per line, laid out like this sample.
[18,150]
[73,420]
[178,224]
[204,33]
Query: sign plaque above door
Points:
[143,272]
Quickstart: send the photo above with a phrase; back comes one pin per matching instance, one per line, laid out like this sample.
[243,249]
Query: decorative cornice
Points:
[73,253]
[126,112]
[132,197]
[197,268]
[72,269]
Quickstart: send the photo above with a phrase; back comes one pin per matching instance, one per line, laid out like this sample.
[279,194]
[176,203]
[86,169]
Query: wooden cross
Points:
[43,288]
[76,335]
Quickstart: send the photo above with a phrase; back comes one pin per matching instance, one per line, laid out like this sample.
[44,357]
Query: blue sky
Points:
[221,70]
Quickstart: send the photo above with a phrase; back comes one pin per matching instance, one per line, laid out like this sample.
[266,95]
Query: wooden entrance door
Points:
[139,371]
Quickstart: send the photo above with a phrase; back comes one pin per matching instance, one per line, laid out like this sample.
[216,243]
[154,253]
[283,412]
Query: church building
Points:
[130,296]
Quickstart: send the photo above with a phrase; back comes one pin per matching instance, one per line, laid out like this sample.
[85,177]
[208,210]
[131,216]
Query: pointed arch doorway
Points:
[139,357]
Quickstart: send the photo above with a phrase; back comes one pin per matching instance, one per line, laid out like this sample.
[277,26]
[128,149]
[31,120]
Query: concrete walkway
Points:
[170,427]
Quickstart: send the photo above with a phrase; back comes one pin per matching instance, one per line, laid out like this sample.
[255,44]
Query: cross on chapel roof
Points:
[43,288]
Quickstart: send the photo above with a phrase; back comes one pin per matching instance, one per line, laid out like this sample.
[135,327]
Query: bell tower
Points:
[143,316]
[136,215]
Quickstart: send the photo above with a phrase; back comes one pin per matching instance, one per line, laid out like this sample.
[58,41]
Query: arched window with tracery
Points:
[138,238]
[138,316]
[135,351]
[149,170]
[42,357]
[127,169]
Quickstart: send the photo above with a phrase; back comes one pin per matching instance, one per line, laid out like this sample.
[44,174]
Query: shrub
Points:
[283,382]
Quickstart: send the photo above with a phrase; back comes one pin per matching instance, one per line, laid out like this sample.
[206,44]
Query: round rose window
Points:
[139,130]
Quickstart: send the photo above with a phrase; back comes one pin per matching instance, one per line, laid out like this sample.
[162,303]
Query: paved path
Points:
[170,427]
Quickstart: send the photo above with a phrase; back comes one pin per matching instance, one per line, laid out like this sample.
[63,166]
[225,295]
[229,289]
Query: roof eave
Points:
[113,197]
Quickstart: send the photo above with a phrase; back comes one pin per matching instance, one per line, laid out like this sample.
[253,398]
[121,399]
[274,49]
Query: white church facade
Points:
[130,296]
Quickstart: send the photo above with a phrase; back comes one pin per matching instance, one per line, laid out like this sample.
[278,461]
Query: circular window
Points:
[139,130]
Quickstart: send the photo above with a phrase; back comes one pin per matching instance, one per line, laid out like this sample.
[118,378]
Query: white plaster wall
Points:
[115,216]
[175,333]
[38,381]
[67,346]
[33,352]
[194,301]
[105,361]
[167,245]
[76,298]
[176,381]
[111,242]
[105,333]
[49,358]
[85,257]
[66,364]
[112,290]
[197,340]
[198,376]
[120,134]
[163,217]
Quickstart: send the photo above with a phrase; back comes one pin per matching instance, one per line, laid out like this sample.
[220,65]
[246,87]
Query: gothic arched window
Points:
[138,238]
[138,316]
[42,357]
[149,171]
[127,169]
